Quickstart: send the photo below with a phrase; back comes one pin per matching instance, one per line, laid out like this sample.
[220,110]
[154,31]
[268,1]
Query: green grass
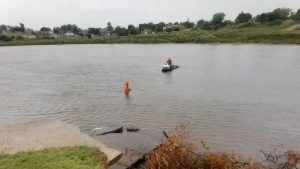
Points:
[272,32]
[55,158]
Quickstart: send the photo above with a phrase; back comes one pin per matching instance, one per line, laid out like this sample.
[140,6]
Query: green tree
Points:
[297,15]
[57,30]
[132,30]
[159,27]
[265,17]
[282,13]
[89,36]
[120,31]
[109,27]
[45,29]
[218,18]
[14,28]
[277,14]
[3,28]
[243,17]
[151,26]
[22,27]
[70,28]
[202,24]
[188,24]
[94,31]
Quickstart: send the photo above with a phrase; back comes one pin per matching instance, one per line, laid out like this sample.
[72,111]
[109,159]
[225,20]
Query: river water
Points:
[235,97]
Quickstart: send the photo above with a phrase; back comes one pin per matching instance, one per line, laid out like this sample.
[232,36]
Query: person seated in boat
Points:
[169,62]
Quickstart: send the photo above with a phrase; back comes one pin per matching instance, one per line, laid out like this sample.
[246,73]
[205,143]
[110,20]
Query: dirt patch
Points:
[292,28]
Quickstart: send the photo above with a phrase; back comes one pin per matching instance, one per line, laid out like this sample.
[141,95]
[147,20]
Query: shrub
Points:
[5,38]
[179,151]
[20,37]
[173,155]
[246,25]
[275,22]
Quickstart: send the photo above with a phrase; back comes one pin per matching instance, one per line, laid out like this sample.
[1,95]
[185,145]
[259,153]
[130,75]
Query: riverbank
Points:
[40,135]
[180,152]
[270,33]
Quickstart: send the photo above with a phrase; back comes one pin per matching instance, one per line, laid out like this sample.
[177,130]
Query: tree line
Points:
[217,21]
[13,29]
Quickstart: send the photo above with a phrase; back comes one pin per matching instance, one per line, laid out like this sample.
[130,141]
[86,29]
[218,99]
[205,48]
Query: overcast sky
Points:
[96,13]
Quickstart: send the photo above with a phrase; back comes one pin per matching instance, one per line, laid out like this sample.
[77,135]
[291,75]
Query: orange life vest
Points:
[126,89]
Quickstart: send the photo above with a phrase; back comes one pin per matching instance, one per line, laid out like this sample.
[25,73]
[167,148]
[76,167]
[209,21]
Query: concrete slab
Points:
[39,135]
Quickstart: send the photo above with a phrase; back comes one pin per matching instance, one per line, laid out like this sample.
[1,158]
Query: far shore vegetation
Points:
[280,26]
[54,158]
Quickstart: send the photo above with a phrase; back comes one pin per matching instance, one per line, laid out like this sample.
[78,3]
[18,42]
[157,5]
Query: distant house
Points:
[4,32]
[70,35]
[146,31]
[29,36]
[29,31]
[104,32]
[173,27]
[46,35]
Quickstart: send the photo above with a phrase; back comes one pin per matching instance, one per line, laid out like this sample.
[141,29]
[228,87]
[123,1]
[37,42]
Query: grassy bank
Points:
[272,32]
[67,157]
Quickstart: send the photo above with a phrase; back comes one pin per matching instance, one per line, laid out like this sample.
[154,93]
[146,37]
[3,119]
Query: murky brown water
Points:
[237,97]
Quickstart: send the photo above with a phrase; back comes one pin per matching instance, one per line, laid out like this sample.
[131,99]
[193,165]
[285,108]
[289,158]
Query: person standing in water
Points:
[169,62]
[126,88]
